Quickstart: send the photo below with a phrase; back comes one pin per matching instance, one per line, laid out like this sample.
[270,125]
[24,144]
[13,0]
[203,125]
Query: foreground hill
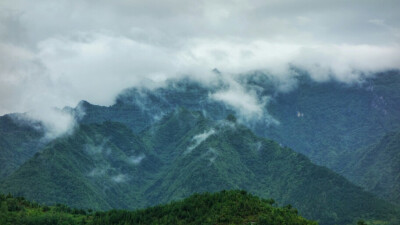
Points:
[105,166]
[226,207]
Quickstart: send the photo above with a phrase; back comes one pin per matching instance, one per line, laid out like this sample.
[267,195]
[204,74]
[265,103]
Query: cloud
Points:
[245,103]
[97,172]
[198,139]
[120,178]
[135,160]
[56,53]
[346,63]
[211,154]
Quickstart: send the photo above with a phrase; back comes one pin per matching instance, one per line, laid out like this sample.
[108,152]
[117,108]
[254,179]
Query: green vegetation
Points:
[106,166]
[226,207]
[18,211]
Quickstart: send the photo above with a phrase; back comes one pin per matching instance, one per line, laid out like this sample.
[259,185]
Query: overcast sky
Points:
[57,52]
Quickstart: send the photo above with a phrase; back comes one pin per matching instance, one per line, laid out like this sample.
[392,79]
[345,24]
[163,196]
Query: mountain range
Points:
[331,150]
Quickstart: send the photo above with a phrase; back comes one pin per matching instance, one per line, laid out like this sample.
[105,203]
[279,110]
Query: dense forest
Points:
[225,207]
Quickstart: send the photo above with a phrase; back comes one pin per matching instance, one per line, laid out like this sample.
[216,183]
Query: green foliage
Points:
[186,153]
[226,207]
[18,211]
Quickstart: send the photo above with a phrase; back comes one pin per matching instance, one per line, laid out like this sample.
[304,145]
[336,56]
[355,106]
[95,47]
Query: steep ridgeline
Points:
[18,143]
[226,207]
[105,166]
[326,121]
[140,108]
[369,162]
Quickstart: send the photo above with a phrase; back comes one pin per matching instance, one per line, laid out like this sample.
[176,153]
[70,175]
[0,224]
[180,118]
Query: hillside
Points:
[86,169]
[105,166]
[226,207]
[383,155]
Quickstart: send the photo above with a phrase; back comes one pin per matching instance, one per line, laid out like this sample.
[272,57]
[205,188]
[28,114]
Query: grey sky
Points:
[55,53]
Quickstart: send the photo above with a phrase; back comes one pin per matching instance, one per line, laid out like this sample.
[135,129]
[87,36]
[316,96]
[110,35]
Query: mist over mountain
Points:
[146,149]
[327,122]
[130,104]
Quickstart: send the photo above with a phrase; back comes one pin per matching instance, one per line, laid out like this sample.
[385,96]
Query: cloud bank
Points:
[56,53]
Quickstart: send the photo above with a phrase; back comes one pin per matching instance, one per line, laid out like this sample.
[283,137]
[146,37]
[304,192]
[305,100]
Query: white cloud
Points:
[120,178]
[346,63]
[245,103]
[56,53]
[198,139]
[136,159]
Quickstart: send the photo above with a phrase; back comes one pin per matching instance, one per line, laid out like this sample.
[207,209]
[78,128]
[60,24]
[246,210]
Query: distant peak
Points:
[83,103]
[215,70]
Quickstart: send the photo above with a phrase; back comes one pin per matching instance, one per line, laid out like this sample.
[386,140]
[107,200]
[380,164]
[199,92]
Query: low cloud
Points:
[53,122]
[135,160]
[98,172]
[245,102]
[120,178]
[211,155]
[198,139]
[54,54]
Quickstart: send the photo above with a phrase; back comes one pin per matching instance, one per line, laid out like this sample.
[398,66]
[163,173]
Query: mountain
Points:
[326,121]
[330,122]
[383,155]
[226,207]
[104,166]
[229,156]
[18,142]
